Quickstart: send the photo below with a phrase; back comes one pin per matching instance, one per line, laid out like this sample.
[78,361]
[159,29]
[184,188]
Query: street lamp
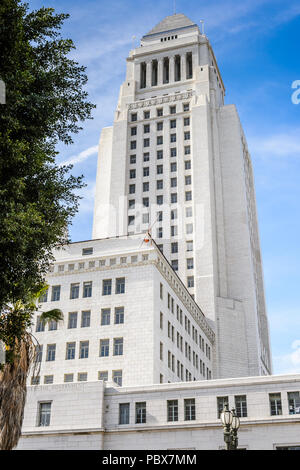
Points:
[231,424]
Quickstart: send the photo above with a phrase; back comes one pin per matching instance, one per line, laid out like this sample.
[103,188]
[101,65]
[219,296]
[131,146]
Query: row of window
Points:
[189,408]
[159,140]
[173,109]
[100,263]
[118,344]
[189,328]
[160,156]
[198,364]
[81,377]
[85,319]
[160,198]
[86,289]
[160,126]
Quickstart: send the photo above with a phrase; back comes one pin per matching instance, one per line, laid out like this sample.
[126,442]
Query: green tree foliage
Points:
[45,104]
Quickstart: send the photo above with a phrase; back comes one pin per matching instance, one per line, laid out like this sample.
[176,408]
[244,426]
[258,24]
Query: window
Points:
[173,198]
[186,121]
[140,412]
[275,404]
[68,377]
[173,109]
[173,167]
[39,352]
[133,117]
[173,182]
[104,347]
[132,159]
[190,263]
[159,169]
[187,135]
[87,251]
[103,375]
[161,350]
[189,409]
[145,218]
[72,321]
[52,325]
[189,245]
[174,247]
[174,264]
[106,287]
[159,140]
[146,128]
[188,211]
[159,200]
[146,186]
[87,289]
[146,142]
[159,112]
[131,188]
[159,184]
[172,410]
[159,154]
[146,114]
[51,349]
[173,138]
[48,379]
[187,165]
[120,285]
[131,204]
[133,145]
[133,131]
[159,232]
[187,150]
[146,157]
[44,297]
[146,171]
[74,291]
[85,318]
[188,180]
[188,195]
[172,123]
[105,316]
[173,152]
[124,413]
[145,201]
[159,126]
[221,403]
[82,377]
[40,325]
[241,406]
[84,350]
[70,351]
[55,293]
[161,291]
[186,107]
[44,414]
[117,377]
[132,174]
[118,346]
[119,315]
[294,403]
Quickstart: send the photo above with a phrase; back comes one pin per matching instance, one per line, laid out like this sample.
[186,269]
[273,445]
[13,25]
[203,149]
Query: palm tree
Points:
[21,357]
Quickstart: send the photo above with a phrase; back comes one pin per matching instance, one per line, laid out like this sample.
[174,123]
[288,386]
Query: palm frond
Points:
[52,315]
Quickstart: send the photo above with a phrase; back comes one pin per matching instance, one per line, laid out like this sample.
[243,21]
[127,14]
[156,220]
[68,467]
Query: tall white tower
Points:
[176,161]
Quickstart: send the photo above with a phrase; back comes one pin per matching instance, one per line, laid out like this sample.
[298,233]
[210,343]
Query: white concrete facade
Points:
[176,149]
[263,427]
[161,333]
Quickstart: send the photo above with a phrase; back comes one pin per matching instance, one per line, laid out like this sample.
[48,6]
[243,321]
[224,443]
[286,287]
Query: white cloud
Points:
[84,155]
[276,145]
[290,363]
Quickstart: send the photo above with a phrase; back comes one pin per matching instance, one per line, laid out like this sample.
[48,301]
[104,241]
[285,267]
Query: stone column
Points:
[171,69]
[183,67]
[148,74]
[160,72]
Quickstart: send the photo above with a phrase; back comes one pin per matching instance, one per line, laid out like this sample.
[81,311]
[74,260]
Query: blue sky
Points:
[256,44]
